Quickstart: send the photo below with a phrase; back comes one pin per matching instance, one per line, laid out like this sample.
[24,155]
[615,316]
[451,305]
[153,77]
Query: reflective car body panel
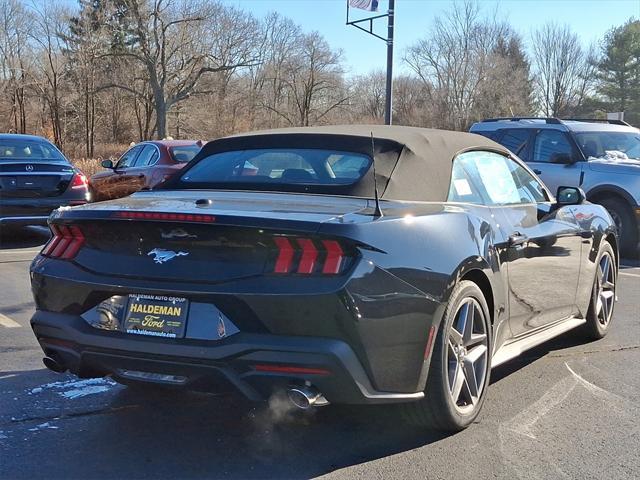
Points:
[143,166]
[362,332]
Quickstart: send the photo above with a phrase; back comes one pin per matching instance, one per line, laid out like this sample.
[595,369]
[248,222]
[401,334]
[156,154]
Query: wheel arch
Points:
[608,191]
[478,270]
[478,277]
[613,241]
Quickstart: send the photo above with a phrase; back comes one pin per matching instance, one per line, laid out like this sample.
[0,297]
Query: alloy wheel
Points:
[606,289]
[467,356]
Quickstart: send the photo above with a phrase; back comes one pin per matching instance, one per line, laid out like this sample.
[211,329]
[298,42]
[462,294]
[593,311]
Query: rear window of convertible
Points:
[274,168]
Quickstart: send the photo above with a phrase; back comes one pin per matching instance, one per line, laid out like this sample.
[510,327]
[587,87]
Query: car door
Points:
[116,185]
[541,245]
[135,176]
[555,159]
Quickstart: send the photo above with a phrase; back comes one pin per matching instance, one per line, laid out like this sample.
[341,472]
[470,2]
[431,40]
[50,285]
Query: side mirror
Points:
[570,196]
[107,164]
[563,158]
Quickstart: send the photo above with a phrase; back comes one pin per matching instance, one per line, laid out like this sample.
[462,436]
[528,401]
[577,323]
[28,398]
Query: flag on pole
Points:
[370,5]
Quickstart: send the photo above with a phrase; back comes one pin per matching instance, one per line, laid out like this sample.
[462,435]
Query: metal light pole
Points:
[388,105]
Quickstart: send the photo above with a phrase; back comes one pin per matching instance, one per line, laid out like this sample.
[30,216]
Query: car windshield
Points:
[275,169]
[184,153]
[28,150]
[610,145]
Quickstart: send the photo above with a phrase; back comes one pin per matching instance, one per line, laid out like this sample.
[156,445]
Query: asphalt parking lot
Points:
[566,410]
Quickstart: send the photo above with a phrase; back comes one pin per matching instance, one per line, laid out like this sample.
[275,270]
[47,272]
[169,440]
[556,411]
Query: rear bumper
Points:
[36,211]
[332,366]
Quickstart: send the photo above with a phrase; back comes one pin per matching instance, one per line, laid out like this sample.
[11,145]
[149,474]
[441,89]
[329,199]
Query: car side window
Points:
[464,186]
[149,156]
[129,157]
[550,145]
[500,180]
[515,139]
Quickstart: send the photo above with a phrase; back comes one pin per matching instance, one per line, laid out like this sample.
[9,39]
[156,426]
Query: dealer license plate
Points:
[156,315]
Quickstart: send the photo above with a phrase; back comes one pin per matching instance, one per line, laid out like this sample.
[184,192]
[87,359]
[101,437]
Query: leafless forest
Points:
[104,73]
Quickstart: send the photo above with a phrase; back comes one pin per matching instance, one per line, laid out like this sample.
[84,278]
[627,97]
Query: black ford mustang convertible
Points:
[356,264]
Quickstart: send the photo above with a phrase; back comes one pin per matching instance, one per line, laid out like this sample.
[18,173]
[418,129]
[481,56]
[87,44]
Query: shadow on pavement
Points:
[134,433]
[573,338]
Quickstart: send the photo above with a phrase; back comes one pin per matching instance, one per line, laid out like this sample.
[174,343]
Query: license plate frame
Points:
[156,315]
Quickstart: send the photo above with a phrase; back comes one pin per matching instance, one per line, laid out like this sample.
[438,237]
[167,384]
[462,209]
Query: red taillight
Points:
[306,256]
[65,243]
[285,255]
[291,369]
[334,257]
[79,181]
[167,217]
[309,255]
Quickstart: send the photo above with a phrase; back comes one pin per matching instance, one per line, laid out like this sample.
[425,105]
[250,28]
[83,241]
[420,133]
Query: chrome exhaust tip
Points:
[54,365]
[306,397]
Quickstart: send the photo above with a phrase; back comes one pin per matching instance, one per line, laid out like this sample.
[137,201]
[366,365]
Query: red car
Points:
[144,165]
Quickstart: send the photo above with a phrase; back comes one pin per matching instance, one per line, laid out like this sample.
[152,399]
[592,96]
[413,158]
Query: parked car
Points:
[144,165]
[35,178]
[601,157]
[326,277]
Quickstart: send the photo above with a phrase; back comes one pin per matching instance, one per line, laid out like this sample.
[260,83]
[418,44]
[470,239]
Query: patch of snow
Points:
[84,391]
[77,388]
[43,426]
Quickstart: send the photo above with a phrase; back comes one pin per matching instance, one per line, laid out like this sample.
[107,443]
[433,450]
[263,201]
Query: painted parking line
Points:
[630,274]
[8,323]
[17,252]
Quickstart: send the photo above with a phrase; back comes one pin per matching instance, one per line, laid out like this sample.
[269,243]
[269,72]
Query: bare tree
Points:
[313,82]
[50,21]
[14,64]
[368,92]
[561,69]
[178,42]
[454,60]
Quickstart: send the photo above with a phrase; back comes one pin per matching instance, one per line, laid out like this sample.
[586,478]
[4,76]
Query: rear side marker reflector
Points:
[290,369]
[170,217]
[65,243]
[306,256]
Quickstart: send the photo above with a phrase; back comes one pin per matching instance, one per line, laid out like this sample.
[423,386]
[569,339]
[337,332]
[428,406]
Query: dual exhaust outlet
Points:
[306,397]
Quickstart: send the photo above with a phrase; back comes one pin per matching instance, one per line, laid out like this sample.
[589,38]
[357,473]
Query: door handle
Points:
[516,239]
[537,172]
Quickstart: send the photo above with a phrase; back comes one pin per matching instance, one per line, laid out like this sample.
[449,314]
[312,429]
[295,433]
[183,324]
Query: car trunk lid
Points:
[22,179]
[208,237]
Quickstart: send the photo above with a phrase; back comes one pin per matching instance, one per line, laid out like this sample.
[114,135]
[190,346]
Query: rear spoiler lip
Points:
[68,215]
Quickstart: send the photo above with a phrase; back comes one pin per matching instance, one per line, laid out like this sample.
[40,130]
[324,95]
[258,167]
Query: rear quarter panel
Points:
[415,255]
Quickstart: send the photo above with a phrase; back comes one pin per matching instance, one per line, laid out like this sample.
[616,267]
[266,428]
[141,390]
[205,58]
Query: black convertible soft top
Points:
[412,164]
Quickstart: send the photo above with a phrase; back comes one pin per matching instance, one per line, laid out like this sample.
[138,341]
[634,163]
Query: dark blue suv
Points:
[601,157]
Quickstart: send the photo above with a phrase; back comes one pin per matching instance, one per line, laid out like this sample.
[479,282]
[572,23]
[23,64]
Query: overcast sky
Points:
[588,18]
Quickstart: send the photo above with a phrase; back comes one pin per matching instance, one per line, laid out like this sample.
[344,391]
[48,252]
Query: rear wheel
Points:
[603,294]
[460,364]
[622,214]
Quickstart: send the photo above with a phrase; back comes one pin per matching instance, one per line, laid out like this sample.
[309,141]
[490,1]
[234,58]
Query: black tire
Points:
[438,410]
[598,317]
[623,216]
